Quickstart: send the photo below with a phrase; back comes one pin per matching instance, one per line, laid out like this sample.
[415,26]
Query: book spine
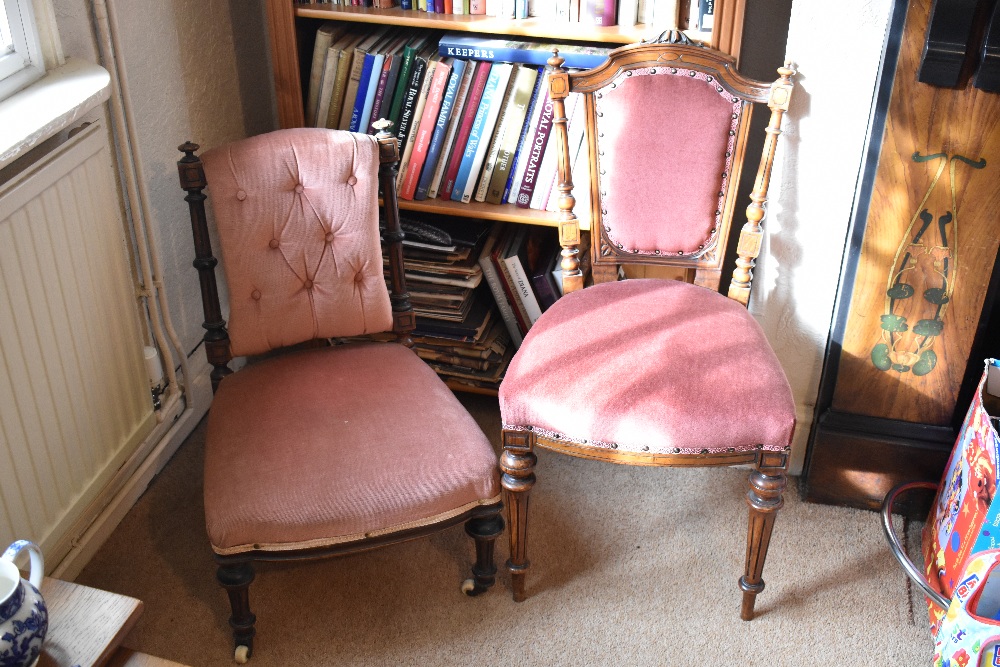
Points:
[383,83]
[449,7]
[418,112]
[467,7]
[644,12]
[402,83]
[453,124]
[351,90]
[422,5]
[664,14]
[513,240]
[543,285]
[523,286]
[362,94]
[409,102]
[706,14]
[627,13]
[536,152]
[514,121]
[468,117]
[324,37]
[489,7]
[376,75]
[599,12]
[326,87]
[428,126]
[440,130]
[503,305]
[339,87]
[406,4]
[431,8]
[528,53]
[490,163]
[482,130]
[531,120]
[520,9]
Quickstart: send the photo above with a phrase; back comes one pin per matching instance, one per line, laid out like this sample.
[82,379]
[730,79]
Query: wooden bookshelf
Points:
[534,28]
[485,211]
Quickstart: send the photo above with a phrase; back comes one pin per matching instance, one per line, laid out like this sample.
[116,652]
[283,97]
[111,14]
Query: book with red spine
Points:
[468,115]
[425,129]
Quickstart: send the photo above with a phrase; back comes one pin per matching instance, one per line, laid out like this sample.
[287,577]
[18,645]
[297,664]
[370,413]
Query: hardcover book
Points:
[513,51]
[345,47]
[410,52]
[324,38]
[489,165]
[387,81]
[418,111]
[449,137]
[536,153]
[550,161]
[514,121]
[538,103]
[377,56]
[520,256]
[496,287]
[354,79]
[472,104]
[426,127]
[441,124]
[409,101]
[481,131]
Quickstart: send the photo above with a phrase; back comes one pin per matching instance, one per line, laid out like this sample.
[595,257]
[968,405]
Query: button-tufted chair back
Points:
[297,216]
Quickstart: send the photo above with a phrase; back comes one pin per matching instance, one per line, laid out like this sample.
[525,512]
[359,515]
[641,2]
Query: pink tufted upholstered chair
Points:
[331,449]
[648,371]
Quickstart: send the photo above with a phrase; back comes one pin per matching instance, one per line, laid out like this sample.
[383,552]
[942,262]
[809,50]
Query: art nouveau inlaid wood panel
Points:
[929,246]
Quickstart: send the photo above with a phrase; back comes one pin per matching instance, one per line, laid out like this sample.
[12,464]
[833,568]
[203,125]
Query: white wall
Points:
[836,47]
[194,69]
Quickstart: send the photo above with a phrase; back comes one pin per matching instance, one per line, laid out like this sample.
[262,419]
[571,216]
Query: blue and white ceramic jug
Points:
[23,616]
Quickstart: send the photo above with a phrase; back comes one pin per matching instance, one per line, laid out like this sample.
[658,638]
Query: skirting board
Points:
[856,460]
[193,407]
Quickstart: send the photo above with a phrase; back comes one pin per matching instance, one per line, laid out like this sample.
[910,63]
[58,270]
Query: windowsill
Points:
[53,103]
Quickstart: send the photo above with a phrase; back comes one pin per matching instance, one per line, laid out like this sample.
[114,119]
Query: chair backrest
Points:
[297,218]
[666,127]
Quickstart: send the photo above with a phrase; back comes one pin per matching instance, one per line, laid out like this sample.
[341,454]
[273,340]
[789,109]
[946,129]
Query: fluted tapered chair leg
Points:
[765,499]
[518,465]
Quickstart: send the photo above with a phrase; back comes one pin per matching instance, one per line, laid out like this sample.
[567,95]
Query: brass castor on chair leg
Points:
[469,587]
[242,654]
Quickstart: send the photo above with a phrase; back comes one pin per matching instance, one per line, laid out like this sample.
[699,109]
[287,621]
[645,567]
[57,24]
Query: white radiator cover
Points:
[74,396]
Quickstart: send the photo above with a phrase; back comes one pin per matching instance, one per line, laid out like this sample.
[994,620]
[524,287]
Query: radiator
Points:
[74,393]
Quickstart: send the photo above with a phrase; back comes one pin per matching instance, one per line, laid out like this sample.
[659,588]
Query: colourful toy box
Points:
[965,517]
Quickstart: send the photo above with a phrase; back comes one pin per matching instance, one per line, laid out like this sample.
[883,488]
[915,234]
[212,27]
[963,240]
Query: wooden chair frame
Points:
[768,479]
[235,573]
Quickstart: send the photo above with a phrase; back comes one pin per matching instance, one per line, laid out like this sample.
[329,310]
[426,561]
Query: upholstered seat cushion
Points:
[656,366]
[332,445]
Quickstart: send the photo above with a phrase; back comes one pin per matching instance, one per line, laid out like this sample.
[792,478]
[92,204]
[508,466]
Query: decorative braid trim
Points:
[713,239]
[601,444]
[343,539]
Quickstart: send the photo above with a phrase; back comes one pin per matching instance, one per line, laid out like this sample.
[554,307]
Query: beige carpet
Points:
[631,566]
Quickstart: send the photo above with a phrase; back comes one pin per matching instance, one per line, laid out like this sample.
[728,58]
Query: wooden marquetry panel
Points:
[930,243]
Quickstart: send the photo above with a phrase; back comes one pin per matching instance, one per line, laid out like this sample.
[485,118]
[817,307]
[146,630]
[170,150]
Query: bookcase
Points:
[293,34]
[291,25]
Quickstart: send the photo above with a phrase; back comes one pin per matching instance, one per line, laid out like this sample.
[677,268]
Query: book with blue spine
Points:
[359,100]
[455,45]
[375,75]
[481,132]
[443,119]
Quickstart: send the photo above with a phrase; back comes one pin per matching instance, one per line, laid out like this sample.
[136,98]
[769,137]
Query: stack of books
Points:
[472,114]
[459,331]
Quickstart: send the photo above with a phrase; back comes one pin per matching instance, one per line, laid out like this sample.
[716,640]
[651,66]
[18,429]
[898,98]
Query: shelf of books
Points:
[532,27]
[473,118]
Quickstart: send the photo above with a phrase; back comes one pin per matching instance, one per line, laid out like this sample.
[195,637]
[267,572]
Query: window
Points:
[20,55]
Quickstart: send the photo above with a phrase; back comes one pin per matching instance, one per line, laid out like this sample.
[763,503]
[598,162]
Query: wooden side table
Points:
[87,625]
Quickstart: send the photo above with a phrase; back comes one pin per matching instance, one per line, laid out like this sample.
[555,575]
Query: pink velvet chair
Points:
[651,371]
[330,449]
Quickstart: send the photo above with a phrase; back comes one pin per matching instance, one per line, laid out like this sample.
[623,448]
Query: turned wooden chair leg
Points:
[518,466]
[767,482]
[236,579]
[484,530]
